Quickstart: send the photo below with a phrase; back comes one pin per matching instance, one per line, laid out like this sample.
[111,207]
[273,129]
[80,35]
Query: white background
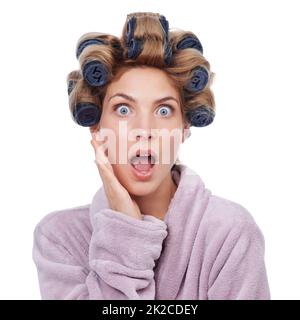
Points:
[250,154]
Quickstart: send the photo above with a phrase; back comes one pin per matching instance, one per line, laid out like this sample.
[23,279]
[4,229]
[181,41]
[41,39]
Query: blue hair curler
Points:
[201,116]
[131,24]
[167,47]
[71,85]
[189,42]
[86,43]
[168,54]
[198,80]
[134,48]
[95,73]
[86,114]
[134,45]
[165,24]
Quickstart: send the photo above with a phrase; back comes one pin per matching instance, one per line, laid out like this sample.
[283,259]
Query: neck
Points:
[157,202]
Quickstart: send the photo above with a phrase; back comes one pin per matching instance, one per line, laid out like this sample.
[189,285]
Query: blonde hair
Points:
[112,53]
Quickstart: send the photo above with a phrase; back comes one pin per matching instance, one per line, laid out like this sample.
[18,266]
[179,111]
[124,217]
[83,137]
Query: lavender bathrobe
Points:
[207,247]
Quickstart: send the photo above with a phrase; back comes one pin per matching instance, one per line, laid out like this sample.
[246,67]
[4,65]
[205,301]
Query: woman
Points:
[152,231]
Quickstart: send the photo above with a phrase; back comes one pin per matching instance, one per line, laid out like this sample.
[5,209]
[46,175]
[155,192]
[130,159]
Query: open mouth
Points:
[143,162]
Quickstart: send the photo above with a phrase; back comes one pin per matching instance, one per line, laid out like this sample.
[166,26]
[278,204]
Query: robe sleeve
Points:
[122,254]
[239,272]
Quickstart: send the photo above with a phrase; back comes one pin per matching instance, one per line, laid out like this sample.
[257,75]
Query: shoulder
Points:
[64,218]
[69,228]
[227,218]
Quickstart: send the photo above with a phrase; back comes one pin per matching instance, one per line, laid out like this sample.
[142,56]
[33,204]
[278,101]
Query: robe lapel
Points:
[183,219]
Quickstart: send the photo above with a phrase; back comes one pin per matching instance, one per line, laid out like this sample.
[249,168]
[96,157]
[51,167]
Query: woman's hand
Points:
[118,197]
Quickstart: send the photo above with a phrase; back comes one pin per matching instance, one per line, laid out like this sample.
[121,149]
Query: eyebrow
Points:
[119,94]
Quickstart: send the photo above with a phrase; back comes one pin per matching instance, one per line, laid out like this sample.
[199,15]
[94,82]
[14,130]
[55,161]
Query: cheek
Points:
[117,140]
[121,172]
[169,147]
[175,144]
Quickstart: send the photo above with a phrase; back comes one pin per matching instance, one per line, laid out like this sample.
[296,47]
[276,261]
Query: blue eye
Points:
[163,111]
[122,108]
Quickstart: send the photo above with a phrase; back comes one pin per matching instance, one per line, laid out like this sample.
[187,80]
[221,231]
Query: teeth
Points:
[141,154]
[143,157]
[142,160]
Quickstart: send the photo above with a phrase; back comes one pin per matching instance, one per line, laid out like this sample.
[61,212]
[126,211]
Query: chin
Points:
[140,189]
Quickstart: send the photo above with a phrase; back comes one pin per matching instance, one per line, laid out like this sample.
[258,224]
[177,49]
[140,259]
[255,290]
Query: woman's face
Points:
[139,122]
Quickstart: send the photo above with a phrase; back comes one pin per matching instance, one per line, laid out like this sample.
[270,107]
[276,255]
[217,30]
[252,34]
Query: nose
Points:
[145,128]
